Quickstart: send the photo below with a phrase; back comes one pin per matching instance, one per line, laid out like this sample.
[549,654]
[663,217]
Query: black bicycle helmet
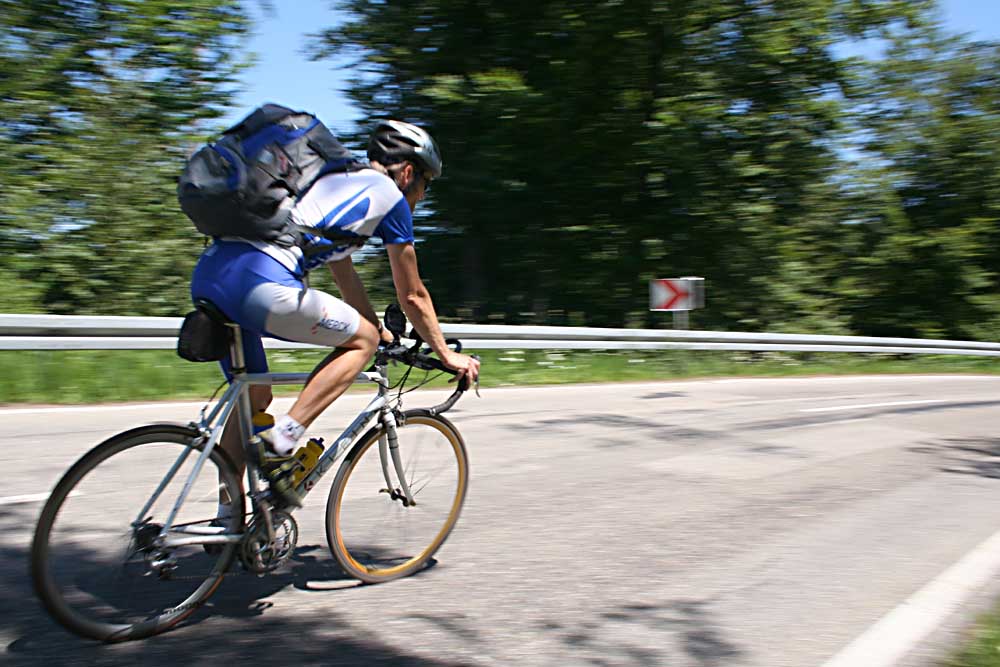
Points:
[394,141]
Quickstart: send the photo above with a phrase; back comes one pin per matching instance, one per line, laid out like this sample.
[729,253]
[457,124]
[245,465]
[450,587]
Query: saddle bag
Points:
[201,338]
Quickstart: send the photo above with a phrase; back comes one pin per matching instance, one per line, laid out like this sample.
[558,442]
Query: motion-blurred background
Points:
[827,166]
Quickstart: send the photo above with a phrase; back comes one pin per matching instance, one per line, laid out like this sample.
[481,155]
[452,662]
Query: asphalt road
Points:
[743,522]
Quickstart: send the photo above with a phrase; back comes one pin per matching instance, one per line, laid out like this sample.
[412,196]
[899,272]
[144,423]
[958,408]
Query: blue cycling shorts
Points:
[267,299]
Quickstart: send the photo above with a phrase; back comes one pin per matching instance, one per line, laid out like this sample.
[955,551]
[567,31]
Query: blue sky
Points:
[283,74]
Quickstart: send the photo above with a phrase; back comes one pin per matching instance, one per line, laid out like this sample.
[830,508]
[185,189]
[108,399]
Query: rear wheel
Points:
[101,569]
[373,532]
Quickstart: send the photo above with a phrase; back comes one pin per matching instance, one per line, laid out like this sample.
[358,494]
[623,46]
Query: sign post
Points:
[677,295]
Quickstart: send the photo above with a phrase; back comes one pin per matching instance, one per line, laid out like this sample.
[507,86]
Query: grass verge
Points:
[983,648]
[68,377]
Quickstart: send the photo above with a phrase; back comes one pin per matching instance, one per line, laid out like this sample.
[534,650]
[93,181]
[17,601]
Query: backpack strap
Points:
[333,235]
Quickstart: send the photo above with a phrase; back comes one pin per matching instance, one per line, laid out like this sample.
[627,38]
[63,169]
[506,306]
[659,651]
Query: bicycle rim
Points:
[95,562]
[372,533]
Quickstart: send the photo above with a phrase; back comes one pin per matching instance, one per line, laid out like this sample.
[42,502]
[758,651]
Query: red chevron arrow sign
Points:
[676,293]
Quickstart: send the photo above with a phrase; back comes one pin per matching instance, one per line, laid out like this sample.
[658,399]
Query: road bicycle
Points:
[129,543]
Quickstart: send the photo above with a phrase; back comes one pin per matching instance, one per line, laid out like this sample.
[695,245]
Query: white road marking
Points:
[30,498]
[116,407]
[97,408]
[289,398]
[833,422]
[859,406]
[844,378]
[515,389]
[899,631]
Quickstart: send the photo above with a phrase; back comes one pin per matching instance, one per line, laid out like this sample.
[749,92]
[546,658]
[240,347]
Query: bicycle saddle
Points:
[213,312]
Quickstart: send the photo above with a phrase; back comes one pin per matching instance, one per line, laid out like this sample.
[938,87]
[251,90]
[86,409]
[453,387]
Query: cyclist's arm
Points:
[416,303]
[414,297]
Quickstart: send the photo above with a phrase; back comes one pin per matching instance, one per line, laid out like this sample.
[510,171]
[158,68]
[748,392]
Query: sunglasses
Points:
[424,176]
[427,181]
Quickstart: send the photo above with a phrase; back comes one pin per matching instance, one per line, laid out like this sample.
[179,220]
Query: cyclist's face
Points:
[413,183]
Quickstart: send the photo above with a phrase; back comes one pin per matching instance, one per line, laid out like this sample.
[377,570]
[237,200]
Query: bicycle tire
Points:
[78,601]
[366,527]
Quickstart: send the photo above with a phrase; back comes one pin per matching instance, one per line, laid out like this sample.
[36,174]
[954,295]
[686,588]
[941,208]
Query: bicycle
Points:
[123,551]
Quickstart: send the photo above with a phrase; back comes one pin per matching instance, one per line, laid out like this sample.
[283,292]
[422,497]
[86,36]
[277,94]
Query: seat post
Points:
[244,408]
[236,350]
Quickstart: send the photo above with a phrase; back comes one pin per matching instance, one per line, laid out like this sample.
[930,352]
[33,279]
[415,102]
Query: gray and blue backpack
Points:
[247,182]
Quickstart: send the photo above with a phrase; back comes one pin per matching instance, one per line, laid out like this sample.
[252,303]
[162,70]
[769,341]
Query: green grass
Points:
[983,648]
[66,377]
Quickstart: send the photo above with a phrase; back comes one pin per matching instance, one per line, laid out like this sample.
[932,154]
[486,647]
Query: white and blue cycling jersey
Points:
[260,285]
[359,203]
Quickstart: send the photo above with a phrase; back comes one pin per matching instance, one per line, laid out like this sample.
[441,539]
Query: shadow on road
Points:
[687,620]
[222,632]
[234,626]
[966,456]
[659,395]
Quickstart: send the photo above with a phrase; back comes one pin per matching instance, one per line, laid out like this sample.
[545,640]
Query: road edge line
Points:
[899,631]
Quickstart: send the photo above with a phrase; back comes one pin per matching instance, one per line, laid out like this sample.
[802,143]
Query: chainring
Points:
[260,556]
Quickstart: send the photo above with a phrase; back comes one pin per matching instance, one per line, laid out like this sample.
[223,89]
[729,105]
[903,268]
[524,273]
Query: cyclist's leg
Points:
[264,296]
[335,374]
[225,273]
[307,315]
[260,398]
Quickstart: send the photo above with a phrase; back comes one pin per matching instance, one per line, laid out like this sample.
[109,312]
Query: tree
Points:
[929,248]
[99,103]
[591,147]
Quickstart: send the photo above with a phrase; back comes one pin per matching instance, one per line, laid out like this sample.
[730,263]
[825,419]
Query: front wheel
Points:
[374,532]
[102,569]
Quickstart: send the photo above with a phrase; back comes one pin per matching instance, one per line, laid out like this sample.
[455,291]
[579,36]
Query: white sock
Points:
[286,432]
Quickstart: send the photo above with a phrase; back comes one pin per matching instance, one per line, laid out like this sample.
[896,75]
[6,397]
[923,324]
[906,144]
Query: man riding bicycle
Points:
[260,286]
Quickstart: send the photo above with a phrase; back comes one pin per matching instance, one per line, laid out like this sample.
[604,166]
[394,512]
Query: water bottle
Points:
[307,456]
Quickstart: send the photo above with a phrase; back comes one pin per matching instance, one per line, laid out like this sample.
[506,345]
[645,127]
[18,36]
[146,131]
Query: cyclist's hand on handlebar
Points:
[463,365]
[385,337]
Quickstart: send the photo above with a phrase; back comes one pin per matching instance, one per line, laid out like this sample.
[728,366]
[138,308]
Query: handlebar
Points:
[413,356]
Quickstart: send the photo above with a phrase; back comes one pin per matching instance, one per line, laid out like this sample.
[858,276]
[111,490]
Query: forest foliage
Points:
[588,148]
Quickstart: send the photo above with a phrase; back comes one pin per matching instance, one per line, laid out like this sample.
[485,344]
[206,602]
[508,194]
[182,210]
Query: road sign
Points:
[677,293]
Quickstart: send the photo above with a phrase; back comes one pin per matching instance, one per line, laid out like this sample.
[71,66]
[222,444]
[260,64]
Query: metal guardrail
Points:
[72,332]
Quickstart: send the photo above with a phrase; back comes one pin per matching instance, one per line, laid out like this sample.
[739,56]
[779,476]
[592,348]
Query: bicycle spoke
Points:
[105,576]
[377,536]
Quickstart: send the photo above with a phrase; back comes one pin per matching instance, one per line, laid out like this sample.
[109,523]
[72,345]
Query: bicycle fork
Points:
[388,447]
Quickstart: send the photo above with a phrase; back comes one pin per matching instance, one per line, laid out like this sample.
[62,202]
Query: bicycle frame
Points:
[237,399]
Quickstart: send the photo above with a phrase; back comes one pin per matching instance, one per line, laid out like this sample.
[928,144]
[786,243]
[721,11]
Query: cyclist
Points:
[261,286]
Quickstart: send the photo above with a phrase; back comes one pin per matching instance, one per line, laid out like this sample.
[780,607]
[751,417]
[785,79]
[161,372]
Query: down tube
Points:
[343,442]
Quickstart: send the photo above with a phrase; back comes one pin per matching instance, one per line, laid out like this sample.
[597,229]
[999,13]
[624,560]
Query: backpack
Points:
[246,183]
